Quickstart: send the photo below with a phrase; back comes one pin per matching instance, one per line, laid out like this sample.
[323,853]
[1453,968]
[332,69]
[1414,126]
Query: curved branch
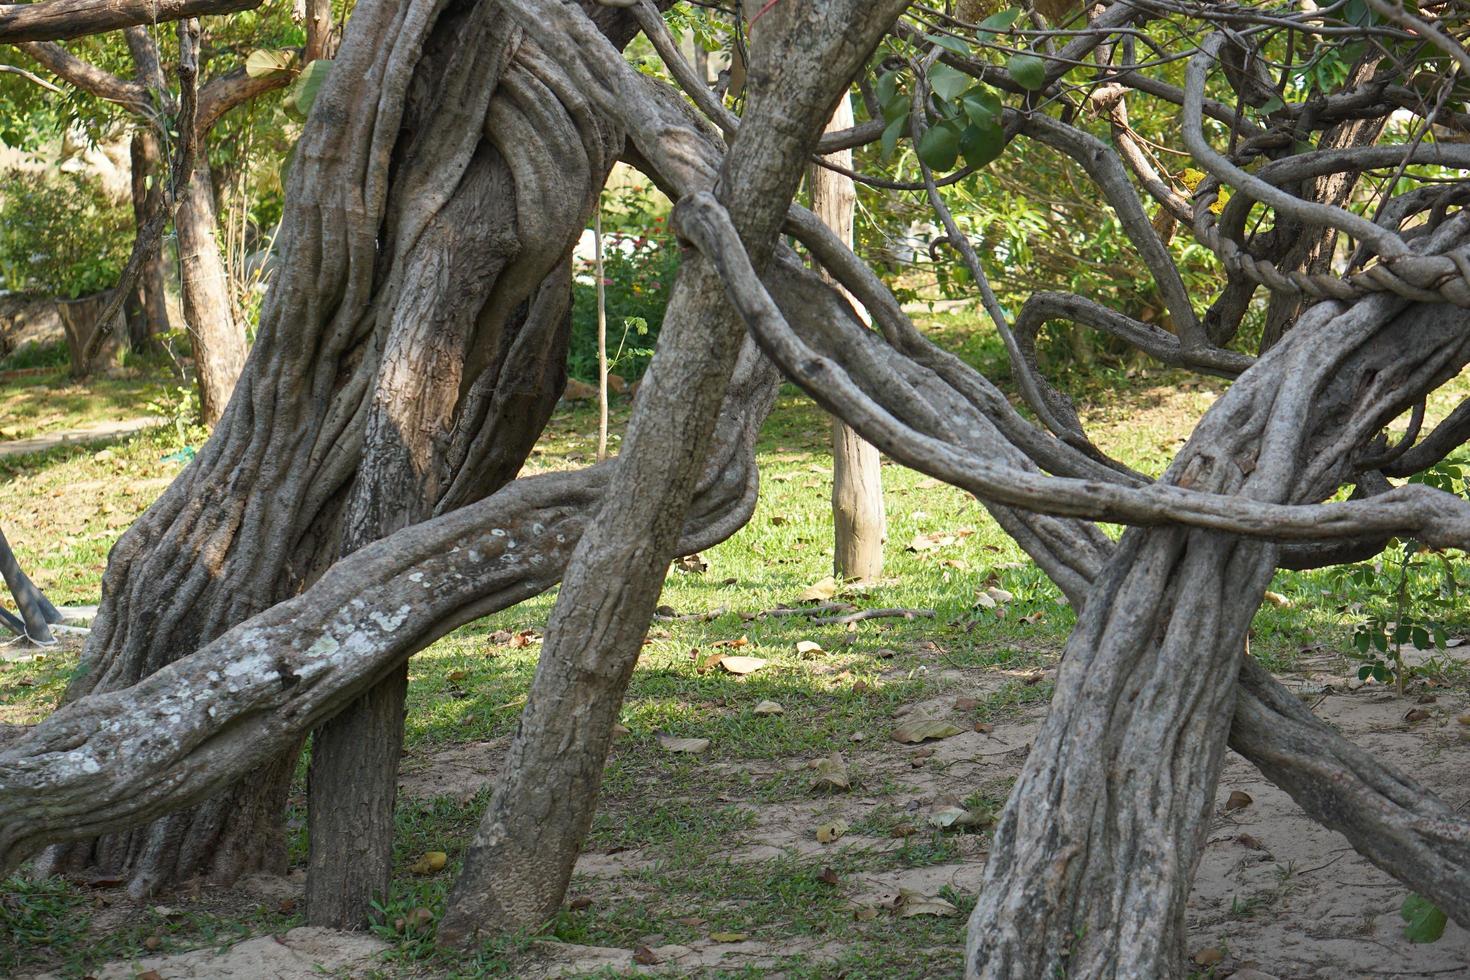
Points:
[88,77]
[61,20]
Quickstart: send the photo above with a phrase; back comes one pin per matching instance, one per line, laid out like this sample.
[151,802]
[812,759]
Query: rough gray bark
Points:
[521,858]
[265,501]
[36,611]
[858,522]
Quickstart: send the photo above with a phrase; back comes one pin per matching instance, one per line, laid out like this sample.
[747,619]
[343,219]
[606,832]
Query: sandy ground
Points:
[1276,895]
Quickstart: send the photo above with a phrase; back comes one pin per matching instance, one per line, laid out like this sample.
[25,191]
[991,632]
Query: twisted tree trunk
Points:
[218,341]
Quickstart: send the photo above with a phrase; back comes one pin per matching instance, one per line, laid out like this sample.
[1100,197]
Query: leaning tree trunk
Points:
[219,342]
[259,514]
[521,859]
[1085,879]
[859,526]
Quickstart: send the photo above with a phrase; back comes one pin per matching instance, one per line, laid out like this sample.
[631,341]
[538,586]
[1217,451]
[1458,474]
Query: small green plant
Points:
[179,406]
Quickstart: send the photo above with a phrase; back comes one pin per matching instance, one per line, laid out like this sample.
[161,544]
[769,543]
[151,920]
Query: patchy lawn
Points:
[750,859]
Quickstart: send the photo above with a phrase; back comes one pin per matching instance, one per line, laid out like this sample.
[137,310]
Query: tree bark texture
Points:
[859,525]
[1088,876]
[458,102]
[153,295]
[521,858]
[219,342]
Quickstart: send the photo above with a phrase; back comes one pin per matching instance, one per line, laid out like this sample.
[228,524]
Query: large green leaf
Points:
[998,22]
[947,82]
[1028,71]
[982,143]
[940,147]
[893,133]
[304,92]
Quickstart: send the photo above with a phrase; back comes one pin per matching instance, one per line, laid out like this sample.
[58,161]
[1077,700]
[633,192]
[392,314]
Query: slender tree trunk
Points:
[601,336]
[522,856]
[153,297]
[219,342]
[858,521]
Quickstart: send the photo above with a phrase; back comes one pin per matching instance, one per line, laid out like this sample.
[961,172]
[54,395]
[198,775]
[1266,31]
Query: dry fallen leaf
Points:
[1416,714]
[985,601]
[808,648]
[644,956]
[1208,956]
[966,704]
[1237,800]
[740,641]
[1278,600]
[829,832]
[150,975]
[579,903]
[692,921]
[692,563]
[768,708]
[922,729]
[152,942]
[1254,843]
[728,937]
[692,746]
[999,594]
[819,591]
[865,913]
[831,773]
[983,728]
[827,877]
[911,903]
[430,862]
[618,731]
[742,665]
[455,676]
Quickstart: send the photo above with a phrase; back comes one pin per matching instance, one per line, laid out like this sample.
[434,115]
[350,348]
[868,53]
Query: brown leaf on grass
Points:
[579,903]
[819,591]
[619,730]
[728,937]
[966,704]
[1416,715]
[644,956]
[692,746]
[455,676]
[829,832]
[429,863]
[692,921]
[911,903]
[768,708]
[827,877]
[692,563]
[923,729]
[861,687]
[903,830]
[934,541]
[984,728]
[742,665]
[831,773]
[1278,600]
[808,648]
[865,913]
[1237,800]
[740,641]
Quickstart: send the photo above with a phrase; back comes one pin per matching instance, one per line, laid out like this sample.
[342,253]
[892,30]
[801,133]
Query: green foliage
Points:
[640,261]
[1410,595]
[60,235]
[34,355]
[638,273]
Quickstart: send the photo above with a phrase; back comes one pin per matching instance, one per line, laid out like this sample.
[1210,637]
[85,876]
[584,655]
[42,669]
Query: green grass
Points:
[679,819]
